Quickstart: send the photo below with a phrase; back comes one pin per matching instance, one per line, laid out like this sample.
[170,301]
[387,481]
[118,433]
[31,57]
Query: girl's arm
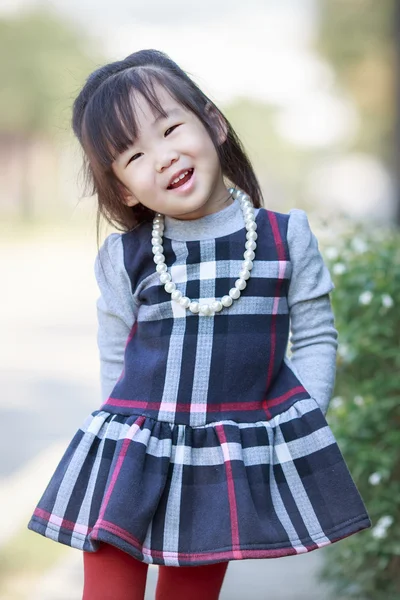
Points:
[313,333]
[116,311]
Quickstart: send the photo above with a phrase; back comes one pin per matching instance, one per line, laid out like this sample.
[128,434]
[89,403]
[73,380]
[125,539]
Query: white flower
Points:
[385,521]
[387,300]
[380,529]
[379,532]
[359,400]
[345,352]
[375,478]
[336,402]
[359,245]
[365,297]
[331,253]
[339,269]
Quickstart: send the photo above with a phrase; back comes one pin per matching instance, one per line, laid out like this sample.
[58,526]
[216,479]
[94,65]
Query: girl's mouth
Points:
[182,183]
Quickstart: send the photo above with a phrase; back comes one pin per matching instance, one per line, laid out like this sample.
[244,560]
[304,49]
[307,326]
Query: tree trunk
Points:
[25,191]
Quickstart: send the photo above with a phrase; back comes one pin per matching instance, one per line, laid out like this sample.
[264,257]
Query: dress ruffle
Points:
[176,495]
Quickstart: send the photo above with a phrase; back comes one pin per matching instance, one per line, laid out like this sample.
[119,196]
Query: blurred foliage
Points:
[365,412]
[43,63]
[358,38]
[278,163]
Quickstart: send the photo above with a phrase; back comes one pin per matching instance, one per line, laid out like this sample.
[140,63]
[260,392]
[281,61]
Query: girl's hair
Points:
[104,123]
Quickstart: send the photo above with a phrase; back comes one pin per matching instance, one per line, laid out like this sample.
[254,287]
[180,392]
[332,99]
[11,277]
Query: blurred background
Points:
[312,88]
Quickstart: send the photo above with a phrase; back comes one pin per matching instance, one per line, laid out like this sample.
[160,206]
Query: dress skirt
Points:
[173,494]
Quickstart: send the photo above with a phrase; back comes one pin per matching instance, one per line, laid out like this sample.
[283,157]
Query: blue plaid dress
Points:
[210,444]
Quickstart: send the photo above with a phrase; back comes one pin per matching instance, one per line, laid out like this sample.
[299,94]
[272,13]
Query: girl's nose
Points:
[166,160]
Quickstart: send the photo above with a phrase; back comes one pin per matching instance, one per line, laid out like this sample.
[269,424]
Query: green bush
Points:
[364,413]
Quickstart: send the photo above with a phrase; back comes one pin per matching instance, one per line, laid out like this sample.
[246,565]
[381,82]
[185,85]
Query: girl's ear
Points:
[129,200]
[126,196]
[218,122]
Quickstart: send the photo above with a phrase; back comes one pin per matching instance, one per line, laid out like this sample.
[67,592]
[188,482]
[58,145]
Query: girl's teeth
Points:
[181,176]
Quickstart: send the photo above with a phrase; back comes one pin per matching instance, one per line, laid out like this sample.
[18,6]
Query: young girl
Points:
[210,445]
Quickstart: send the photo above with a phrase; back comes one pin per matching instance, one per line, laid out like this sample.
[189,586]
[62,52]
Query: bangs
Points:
[110,122]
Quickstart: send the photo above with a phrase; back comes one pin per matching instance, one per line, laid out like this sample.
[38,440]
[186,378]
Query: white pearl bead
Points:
[184,301]
[249,254]
[234,293]
[244,274]
[170,287]
[240,284]
[164,277]
[176,295]
[194,307]
[159,258]
[250,245]
[205,309]
[247,264]
[226,301]
[216,306]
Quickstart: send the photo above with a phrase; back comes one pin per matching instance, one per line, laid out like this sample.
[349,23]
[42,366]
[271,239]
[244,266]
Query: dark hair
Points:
[104,123]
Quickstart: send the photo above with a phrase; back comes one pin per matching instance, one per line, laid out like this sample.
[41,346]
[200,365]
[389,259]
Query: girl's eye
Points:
[133,158]
[170,129]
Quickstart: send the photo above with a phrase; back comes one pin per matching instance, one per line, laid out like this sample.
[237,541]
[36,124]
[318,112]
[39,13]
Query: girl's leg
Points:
[111,574]
[203,582]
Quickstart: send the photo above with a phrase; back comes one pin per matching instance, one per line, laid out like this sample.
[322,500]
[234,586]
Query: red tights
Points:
[111,574]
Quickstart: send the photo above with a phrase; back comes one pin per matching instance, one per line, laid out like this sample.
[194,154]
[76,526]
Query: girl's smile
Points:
[181,180]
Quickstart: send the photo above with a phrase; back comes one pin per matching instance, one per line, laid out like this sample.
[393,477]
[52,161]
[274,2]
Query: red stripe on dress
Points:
[281,257]
[211,408]
[192,556]
[223,555]
[231,492]
[117,531]
[132,333]
[53,520]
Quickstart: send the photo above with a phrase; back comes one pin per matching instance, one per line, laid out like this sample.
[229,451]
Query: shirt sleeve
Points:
[116,311]
[313,335]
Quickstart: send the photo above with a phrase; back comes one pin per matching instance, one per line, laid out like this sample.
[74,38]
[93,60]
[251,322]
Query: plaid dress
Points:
[209,446]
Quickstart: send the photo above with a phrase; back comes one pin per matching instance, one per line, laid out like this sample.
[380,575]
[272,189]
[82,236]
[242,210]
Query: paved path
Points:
[290,578]
[49,379]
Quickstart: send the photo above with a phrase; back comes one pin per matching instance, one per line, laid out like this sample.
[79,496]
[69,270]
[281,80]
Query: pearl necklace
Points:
[247,265]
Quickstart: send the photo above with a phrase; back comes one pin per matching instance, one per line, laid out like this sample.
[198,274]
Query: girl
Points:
[210,445]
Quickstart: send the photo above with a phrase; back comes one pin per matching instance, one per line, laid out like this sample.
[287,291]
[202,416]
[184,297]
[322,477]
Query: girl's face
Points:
[165,149]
